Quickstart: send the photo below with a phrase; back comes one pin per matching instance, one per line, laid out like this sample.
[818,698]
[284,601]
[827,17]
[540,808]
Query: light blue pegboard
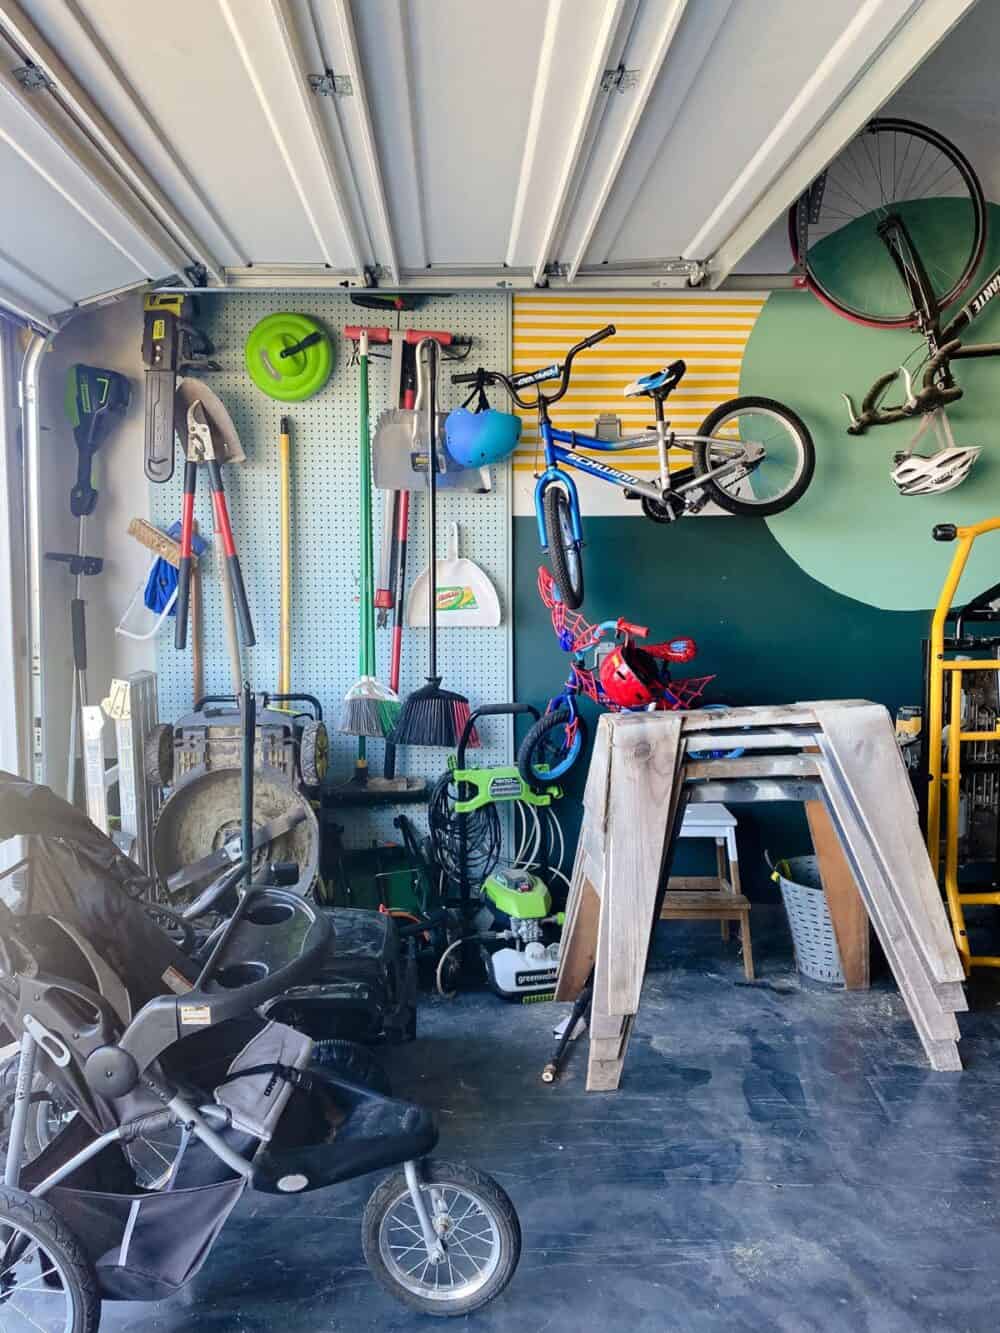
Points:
[325,537]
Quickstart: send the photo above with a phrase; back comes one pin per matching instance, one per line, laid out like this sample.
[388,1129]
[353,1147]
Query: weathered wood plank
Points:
[646,755]
[932,1022]
[723,905]
[847,908]
[756,738]
[580,931]
[752,766]
[698,884]
[579,949]
[861,742]
[606,1058]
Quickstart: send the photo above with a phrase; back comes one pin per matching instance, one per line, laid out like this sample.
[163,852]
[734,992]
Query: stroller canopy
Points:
[79,878]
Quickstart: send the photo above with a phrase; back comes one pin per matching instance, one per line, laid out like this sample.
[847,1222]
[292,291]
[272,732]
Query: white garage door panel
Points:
[383,42]
[26,293]
[472,70]
[762,58]
[578,48]
[47,236]
[84,50]
[189,72]
[687,57]
[494,143]
[47,157]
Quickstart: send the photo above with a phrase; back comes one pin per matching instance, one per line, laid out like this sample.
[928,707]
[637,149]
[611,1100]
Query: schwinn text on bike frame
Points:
[587,463]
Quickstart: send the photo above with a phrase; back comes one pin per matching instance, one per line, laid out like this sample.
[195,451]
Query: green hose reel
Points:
[289,356]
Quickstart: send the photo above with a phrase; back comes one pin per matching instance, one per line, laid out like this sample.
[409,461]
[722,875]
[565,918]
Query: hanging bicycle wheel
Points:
[551,747]
[893,169]
[755,455]
[565,556]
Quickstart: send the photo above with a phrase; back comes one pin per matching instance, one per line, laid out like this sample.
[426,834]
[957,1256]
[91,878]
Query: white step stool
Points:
[715,897]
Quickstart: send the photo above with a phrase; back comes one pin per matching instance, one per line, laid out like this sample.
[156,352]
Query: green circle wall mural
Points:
[852,530]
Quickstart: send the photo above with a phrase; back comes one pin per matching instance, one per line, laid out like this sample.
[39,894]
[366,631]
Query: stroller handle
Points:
[268,924]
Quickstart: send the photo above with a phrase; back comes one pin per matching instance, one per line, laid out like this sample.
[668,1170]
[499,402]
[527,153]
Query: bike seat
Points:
[657,384]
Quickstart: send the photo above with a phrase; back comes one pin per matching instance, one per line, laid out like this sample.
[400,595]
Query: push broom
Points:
[431,715]
[370,708]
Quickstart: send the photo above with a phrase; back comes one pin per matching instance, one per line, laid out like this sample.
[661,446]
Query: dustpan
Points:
[465,594]
[401,451]
[224,436]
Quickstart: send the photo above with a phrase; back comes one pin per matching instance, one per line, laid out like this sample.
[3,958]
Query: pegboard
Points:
[326,536]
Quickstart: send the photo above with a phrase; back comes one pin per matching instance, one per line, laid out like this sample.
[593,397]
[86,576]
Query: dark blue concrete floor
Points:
[779,1157]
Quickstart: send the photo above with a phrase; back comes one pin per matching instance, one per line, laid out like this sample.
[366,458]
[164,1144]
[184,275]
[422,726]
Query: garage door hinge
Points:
[619,80]
[32,79]
[329,84]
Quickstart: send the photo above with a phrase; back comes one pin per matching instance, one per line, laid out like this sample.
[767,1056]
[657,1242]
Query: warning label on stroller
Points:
[196,1015]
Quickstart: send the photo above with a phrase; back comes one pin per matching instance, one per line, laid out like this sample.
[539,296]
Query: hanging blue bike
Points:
[751,456]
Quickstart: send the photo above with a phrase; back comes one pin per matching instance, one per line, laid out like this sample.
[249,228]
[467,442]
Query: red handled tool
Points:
[201,449]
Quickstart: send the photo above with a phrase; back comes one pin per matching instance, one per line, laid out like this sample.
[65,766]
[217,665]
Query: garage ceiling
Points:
[434,143]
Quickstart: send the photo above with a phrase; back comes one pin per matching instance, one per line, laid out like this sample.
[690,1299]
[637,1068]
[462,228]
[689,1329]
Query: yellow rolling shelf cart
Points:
[954,663]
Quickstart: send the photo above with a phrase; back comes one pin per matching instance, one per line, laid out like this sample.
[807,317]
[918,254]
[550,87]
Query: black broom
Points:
[431,715]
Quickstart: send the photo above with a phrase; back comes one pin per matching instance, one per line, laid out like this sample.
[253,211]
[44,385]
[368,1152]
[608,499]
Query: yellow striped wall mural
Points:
[708,331]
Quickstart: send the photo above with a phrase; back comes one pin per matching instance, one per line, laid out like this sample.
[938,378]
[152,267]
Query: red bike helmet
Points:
[630,678]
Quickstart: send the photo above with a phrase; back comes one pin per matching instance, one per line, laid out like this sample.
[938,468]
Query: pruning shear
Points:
[201,449]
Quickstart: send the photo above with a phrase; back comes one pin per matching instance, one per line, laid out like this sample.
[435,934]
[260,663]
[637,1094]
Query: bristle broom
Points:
[362,714]
[432,716]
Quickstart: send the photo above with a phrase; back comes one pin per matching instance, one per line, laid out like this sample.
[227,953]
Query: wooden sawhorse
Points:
[838,757]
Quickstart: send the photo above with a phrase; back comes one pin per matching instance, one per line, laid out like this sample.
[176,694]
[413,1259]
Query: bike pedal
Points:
[632,495]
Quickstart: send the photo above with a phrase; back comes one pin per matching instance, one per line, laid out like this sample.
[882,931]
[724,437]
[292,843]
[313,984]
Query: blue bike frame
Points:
[552,436]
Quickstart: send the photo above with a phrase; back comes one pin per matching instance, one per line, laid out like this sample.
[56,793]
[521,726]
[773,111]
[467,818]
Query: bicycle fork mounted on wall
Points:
[963,737]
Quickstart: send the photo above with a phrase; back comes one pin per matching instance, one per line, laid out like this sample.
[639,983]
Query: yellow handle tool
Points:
[285,612]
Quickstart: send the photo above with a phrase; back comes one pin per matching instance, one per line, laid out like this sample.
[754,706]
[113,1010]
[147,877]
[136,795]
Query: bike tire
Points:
[494,1207]
[733,504]
[565,555]
[528,754]
[805,237]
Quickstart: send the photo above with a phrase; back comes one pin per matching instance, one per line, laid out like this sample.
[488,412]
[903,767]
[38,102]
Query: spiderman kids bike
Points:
[752,456]
[628,678]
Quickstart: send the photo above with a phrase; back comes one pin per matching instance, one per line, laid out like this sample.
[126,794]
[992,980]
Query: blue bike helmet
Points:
[477,439]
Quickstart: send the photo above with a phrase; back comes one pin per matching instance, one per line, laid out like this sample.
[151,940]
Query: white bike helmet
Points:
[915,474]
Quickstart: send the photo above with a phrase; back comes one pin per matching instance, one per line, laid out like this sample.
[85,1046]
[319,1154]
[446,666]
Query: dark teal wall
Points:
[770,632]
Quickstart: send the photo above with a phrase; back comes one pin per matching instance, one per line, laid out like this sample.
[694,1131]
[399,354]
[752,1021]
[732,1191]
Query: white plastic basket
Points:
[816,953]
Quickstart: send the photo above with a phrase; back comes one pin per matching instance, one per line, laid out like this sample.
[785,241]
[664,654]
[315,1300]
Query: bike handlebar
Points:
[926,399]
[638,631]
[514,384]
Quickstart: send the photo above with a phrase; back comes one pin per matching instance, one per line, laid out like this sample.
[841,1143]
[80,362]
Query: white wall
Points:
[108,337]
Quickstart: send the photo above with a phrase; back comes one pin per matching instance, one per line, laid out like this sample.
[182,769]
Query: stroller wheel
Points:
[474,1220]
[353,1062]
[48,1115]
[47,1283]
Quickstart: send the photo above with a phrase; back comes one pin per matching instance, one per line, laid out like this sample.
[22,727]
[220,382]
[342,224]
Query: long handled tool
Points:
[368,702]
[95,399]
[201,449]
[431,715]
[285,610]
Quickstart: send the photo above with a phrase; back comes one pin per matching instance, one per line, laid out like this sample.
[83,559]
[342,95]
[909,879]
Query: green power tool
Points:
[516,905]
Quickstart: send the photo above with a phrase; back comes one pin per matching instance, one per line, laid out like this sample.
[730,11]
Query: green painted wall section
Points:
[828,600]
[853,530]
[770,632]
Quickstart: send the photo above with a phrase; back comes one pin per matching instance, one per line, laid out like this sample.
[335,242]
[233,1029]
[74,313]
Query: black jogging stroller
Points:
[184,1097]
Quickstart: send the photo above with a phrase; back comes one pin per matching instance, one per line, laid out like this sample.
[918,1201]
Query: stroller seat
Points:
[142,1040]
